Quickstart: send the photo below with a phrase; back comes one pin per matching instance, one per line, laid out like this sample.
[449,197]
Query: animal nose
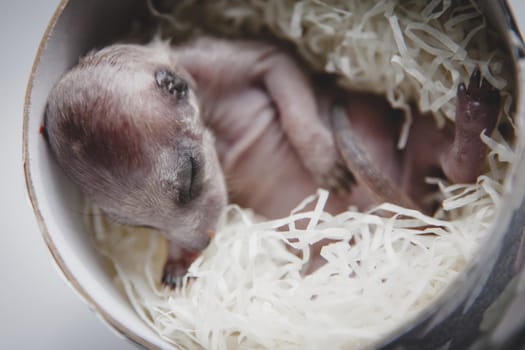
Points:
[171,82]
[195,243]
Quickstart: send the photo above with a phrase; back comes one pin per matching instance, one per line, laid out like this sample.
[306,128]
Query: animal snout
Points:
[205,242]
[196,242]
[171,82]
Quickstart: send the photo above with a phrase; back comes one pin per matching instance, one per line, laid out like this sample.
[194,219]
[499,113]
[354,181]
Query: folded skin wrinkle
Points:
[132,125]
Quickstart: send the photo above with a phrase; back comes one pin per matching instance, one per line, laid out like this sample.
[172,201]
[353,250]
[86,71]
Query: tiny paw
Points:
[479,89]
[477,109]
[175,269]
[328,168]
[321,158]
[174,272]
[477,105]
[338,179]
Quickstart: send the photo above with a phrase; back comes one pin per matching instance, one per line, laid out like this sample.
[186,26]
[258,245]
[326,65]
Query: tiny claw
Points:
[173,273]
[462,90]
[345,179]
[340,179]
[475,78]
[479,89]
[487,91]
[172,282]
[477,111]
[176,268]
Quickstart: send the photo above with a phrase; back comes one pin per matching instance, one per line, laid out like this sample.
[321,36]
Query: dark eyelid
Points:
[197,176]
[191,180]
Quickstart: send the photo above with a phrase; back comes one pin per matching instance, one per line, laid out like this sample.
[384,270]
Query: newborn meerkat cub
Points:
[156,136]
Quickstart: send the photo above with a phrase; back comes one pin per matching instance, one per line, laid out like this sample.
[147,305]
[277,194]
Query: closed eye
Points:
[191,180]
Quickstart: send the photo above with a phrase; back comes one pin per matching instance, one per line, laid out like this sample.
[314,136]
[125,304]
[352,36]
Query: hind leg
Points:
[298,107]
[477,111]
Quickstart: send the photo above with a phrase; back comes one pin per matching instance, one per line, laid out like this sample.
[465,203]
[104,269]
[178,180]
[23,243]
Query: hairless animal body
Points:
[157,136]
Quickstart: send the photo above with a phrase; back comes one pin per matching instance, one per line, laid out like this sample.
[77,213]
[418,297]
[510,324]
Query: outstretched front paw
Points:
[477,105]
[326,165]
[175,269]
[173,273]
[338,178]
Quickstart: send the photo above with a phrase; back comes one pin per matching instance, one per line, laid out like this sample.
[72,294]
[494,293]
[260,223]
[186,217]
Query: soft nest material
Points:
[413,52]
[248,290]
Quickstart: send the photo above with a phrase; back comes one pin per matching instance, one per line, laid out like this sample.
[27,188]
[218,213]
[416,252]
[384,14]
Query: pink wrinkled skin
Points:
[161,136]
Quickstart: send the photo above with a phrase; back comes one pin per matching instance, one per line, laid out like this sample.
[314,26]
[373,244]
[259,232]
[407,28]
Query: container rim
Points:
[120,328]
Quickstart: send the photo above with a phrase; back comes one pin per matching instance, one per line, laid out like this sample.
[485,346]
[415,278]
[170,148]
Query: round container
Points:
[477,311]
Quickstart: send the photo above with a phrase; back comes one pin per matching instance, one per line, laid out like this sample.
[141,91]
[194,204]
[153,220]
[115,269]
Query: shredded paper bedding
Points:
[248,290]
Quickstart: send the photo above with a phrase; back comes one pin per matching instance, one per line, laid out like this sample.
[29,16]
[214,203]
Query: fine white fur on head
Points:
[121,138]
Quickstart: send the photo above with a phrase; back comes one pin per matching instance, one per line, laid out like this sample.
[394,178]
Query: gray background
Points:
[38,310]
